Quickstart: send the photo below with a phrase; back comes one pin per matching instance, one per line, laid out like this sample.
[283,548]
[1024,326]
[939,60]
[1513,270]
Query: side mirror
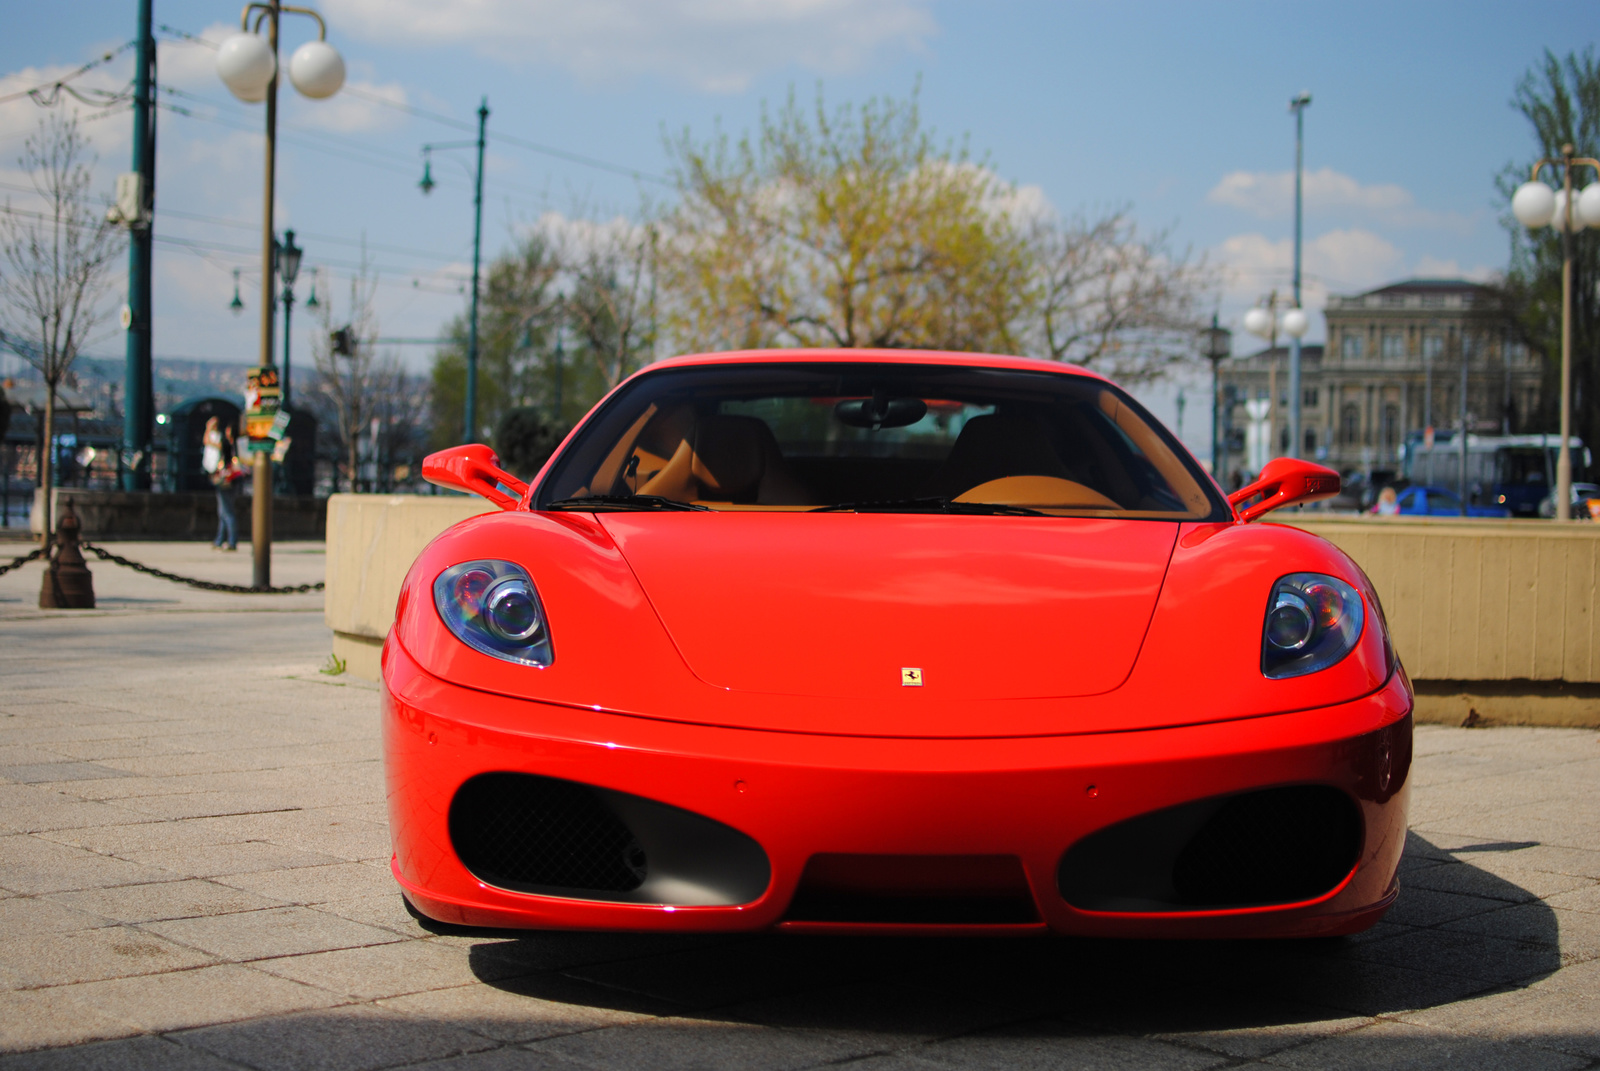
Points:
[474,468]
[1284,481]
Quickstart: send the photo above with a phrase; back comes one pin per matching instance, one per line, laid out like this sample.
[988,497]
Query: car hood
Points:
[843,605]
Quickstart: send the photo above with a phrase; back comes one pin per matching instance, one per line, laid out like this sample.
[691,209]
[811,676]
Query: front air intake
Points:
[523,832]
[1271,846]
[543,835]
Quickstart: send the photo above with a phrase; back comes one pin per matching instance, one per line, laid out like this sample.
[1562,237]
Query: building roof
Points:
[1308,352]
[1427,286]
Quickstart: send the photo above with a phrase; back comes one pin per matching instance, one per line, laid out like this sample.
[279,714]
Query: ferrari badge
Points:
[910,677]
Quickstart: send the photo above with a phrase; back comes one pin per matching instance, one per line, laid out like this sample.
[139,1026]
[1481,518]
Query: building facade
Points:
[1393,365]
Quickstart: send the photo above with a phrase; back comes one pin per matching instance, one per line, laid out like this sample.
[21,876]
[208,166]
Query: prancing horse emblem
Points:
[910,677]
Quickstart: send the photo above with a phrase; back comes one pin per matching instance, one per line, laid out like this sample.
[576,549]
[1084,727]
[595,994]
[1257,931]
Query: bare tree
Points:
[610,303]
[1114,300]
[56,266]
[363,385]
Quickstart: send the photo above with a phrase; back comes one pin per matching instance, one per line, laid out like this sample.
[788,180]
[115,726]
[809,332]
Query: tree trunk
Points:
[47,463]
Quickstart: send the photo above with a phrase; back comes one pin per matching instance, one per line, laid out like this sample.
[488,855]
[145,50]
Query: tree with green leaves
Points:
[1560,98]
[518,314]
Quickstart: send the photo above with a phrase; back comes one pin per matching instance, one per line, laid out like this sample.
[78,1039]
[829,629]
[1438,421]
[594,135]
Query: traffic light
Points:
[343,341]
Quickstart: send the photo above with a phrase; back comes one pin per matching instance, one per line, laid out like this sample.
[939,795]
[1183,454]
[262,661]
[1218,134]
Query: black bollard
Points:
[68,584]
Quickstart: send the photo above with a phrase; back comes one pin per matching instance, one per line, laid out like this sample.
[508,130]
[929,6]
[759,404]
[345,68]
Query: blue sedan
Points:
[1438,502]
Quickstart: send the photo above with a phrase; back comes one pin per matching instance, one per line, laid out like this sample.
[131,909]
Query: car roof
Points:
[874,356]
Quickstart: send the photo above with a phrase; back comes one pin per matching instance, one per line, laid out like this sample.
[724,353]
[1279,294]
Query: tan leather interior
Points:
[1037,491]
[993,446]
[727,459]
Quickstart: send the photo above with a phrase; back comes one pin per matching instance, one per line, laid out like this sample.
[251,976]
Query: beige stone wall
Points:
[1481,600]
[1486,601]
[372,541]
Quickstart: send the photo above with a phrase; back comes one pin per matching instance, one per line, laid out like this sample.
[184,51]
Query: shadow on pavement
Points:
[1425,953]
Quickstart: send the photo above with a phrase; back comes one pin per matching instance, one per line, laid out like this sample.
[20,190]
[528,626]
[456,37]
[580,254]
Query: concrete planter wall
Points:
[1492,617]
[185,515]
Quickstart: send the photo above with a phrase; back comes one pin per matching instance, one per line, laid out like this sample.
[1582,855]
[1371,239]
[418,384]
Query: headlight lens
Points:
[493,607]
[1312,622]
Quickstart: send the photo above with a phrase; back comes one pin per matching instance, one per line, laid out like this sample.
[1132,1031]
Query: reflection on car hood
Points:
[841,604]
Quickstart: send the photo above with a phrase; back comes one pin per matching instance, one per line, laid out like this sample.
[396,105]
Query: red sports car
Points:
[857,641]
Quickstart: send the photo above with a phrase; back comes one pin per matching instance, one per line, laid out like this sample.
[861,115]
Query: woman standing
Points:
[220,465]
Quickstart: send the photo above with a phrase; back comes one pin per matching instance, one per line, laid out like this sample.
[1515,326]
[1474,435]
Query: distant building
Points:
[1392,365]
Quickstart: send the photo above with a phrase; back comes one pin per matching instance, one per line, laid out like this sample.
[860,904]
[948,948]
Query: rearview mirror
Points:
[473,468]
[879,411]
[1285,481]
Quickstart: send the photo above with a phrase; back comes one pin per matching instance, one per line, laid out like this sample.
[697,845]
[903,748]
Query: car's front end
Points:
[666,711]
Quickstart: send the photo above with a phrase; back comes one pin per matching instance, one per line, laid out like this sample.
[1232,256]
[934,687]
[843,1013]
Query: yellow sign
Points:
[910,677]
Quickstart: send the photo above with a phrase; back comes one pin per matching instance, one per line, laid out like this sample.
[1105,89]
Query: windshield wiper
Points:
[624,503]
[930,505]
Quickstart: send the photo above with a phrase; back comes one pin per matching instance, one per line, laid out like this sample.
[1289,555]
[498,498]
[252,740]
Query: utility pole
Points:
[1297,105]
[137,410]
[471,430]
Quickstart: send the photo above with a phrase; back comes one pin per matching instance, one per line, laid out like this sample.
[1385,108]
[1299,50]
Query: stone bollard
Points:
[68,585]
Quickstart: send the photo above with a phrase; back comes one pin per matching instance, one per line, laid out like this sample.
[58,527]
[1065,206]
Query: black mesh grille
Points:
[1272,846]
[520,831]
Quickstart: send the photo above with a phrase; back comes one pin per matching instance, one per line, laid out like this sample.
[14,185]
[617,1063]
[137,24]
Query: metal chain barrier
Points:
[204,585]
[17,563]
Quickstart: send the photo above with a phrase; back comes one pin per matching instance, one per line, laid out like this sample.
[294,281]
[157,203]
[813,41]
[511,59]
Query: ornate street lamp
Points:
[1216,343]
[1264,321]
[248,63]
[1536,205]
[470,417]
[288,267]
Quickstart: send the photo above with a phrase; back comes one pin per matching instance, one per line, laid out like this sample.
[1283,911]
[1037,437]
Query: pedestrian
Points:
[220,464]
[1388,504]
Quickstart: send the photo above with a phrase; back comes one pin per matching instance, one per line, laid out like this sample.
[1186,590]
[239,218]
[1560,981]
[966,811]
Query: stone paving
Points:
[193,875]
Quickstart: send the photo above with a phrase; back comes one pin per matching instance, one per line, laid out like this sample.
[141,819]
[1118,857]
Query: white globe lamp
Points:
[1258,322]
[1588,206]
[1534,204]
[317,70]
[1559,222]
[246,65]
[1296,323]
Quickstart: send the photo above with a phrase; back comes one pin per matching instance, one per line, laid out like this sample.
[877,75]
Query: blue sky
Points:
[1176,110]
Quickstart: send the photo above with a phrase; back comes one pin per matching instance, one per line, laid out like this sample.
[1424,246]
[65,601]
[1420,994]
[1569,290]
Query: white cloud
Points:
[1270,195]
[1338,261]
[715,45]
[349,112]
[1431,267]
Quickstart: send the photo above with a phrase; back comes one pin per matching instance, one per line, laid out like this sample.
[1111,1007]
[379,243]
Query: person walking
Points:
[218,461]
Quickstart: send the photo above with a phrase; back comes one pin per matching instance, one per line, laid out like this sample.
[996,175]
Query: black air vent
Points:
[519,831]
[1275,846]
[543,835]
[1270,846]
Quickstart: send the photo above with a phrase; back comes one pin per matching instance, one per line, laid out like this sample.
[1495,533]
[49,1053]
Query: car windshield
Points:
[878,437]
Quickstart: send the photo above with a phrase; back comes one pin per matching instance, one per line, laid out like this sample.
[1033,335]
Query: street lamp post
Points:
[1264,321]
[469,431]
[1298,106]
[288,267]
[248,63]
[1217,343]
[1537,205]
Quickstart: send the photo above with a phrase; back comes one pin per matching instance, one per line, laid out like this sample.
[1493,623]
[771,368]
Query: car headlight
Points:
[493,607]
[1312,621]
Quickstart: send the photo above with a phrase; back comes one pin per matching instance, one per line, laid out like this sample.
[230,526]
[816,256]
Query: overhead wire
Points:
[470,127]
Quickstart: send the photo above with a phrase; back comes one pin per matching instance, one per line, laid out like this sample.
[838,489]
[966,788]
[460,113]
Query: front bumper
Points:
[800,796]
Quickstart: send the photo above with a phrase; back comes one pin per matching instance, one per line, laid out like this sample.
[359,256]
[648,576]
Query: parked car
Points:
[1441,502]
[1582,494]
[853,641]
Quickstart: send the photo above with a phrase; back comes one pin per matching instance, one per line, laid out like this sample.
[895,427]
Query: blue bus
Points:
[1513,471]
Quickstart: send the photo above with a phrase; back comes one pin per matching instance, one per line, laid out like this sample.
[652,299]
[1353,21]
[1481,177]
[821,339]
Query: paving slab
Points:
[194,875]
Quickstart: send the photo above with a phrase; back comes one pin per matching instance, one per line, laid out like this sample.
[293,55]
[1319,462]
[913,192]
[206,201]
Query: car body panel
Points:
[746,667]
[837,604]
